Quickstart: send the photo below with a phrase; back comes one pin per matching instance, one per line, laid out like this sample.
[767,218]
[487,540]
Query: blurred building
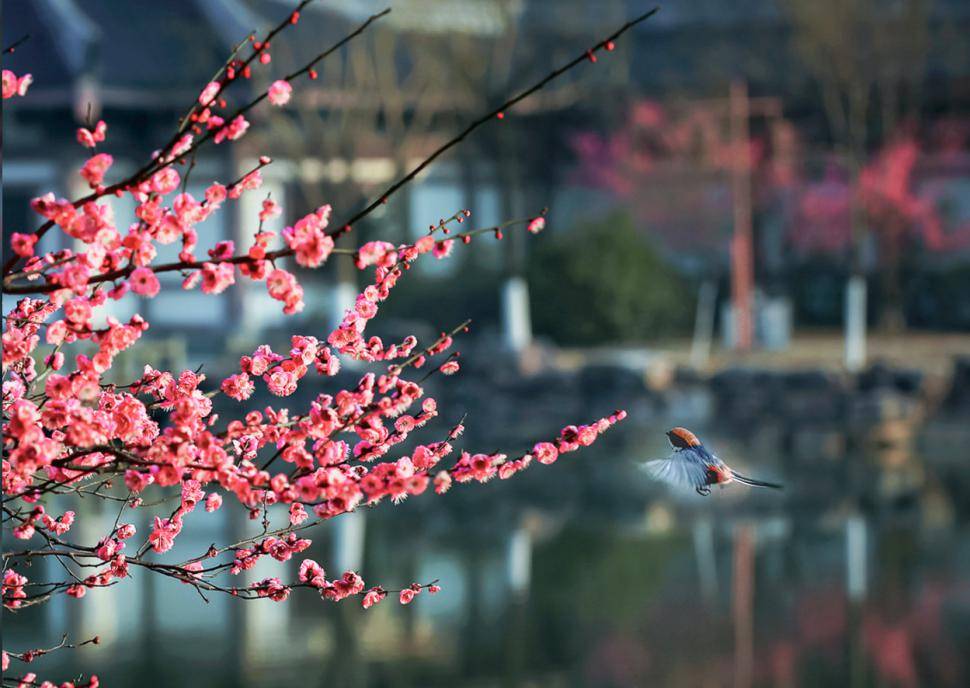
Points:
[410,83]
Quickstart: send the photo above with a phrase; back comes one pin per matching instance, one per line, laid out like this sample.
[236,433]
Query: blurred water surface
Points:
[737,589]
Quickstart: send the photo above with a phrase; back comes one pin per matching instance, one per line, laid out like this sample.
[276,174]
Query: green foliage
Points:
[605,283]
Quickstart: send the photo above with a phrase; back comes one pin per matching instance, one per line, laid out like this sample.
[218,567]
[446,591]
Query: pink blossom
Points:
[283,286]
[536,225]
[90,139]
[376,253]
[95,168]
[217,277]
[144,282]
[213,501]
[272,588]
[279,92]
[442,482]
[311,572]
[281,382]
[209,93]
[297,514]
[349,584]
[163,534]
[23,244]
[12,86]
[545,452]
[307,238]
[443,249]
[24,531]
[63,524]
[165,181]
[13,589]
[239,387]
[232,131]
[107,548]
[372,597]
[270,210]
[250,182]
[9,84]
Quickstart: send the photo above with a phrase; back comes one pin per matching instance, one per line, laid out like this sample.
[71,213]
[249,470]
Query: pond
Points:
[585,575]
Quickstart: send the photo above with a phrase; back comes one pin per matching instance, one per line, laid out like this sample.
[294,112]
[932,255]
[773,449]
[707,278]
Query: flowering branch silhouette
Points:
[68,429]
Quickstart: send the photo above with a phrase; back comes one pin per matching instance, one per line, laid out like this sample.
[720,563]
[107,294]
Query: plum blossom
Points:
[232,131]
[209,93]
[91,138]
[164,533]
[239,387]
[310,245]
[282,286]
[545,452]
[144,282]
[213,501]
[14,86]
[217,277]
[372,597]
[279,93]
[536,225]
[95,168]
[443,249]
[270,210]
[176,439]
[376,253]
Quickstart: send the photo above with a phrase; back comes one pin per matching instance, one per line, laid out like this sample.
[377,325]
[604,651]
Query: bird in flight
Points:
[693,465]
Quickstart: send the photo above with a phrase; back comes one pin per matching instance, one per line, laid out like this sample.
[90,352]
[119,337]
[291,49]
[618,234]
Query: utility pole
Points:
[742,263]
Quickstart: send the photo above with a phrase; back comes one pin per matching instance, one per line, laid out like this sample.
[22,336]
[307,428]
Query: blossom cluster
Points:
[71,427]
[14,85]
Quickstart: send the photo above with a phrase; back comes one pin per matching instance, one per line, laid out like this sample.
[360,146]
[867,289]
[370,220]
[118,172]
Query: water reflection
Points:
[818,586]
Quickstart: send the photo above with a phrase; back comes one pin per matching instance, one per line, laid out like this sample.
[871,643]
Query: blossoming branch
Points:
[69,430]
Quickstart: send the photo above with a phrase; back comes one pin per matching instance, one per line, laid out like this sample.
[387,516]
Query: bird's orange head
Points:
[682,438]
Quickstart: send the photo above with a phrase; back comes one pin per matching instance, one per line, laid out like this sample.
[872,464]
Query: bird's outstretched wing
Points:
[677,470]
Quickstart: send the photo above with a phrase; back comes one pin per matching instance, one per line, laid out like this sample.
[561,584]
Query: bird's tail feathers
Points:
[744,480]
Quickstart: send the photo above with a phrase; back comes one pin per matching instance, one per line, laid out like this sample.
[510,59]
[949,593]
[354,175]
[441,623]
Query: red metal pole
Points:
[742,262]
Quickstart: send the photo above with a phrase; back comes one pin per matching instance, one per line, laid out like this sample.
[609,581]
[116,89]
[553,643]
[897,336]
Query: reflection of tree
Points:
[632,614]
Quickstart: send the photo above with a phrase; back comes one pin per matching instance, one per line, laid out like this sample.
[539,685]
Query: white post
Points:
[856,584]
[97,611]
[520,561]
[700,350]
[855,323]
[855,558]
[706,557]
[516,319]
